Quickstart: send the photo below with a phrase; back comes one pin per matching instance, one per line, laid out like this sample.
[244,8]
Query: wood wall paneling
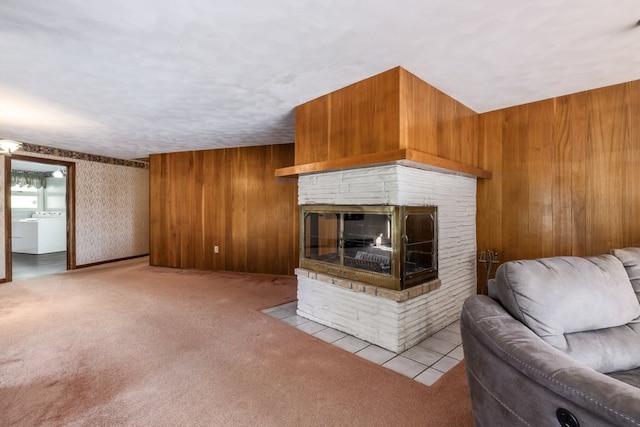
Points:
[578,141]
[237,232]
[561,206]
[213,192]
[515,212]
[389,111]
[633,112]
[228,198]
[312,131]
[419,102]
[432,122]
[540,161]
[489,197]
[361,118]
[466,136]
[566,175]
[445,123]
[606,185]
[364,117]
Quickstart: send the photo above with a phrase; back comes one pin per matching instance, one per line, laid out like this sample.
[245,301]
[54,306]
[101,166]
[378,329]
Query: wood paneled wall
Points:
[566,176]
[434,123]
[362,118]
[389,111]
[229,198]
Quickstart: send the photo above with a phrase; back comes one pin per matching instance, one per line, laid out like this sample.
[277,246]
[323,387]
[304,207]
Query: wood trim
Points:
[447,165]
[401,156]
[94,264]
[8,265]
[71,216]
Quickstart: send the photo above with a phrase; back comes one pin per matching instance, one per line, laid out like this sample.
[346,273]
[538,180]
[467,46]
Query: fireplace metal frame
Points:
[398,277]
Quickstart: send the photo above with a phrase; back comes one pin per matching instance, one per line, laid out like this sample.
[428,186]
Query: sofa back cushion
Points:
[583,306]
[630,258]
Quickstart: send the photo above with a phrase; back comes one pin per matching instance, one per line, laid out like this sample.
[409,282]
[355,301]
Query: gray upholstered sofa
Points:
[557,343]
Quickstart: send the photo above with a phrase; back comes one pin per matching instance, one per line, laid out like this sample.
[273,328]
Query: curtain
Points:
[29,178]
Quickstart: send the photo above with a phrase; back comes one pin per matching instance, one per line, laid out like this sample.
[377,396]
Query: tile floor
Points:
[425,362]
[31,265]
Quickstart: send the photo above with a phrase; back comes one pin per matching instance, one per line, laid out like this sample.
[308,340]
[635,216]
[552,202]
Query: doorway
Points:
[39,219]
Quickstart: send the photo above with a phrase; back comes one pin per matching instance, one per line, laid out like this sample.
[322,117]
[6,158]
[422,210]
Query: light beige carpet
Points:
[129,344]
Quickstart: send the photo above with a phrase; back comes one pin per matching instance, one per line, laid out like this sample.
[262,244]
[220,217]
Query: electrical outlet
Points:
[216,249]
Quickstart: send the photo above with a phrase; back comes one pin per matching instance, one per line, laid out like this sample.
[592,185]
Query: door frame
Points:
[70,200]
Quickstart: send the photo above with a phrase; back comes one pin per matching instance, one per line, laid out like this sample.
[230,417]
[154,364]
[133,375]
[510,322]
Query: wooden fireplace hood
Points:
[390,118]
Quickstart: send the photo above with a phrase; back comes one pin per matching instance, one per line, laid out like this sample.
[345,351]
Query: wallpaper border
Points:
[59,152]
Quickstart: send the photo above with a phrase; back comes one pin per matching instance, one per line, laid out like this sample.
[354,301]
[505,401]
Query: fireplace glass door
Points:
[387,246]
[419,249]
[322,237]
[367,241]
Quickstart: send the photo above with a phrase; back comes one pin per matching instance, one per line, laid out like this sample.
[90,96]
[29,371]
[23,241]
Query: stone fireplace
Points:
[395,319]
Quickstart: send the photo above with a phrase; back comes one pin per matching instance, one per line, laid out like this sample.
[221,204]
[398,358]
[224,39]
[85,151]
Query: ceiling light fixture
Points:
[8,146]
[57,174]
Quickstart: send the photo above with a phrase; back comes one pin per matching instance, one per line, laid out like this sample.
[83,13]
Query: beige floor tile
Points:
[407,367]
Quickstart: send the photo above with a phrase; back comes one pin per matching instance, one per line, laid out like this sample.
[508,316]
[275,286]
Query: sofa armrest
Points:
[515,378]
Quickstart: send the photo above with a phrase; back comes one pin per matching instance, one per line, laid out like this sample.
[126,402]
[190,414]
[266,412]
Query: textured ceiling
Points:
[126,78]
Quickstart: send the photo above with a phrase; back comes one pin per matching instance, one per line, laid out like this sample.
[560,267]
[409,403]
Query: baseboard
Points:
[93,264]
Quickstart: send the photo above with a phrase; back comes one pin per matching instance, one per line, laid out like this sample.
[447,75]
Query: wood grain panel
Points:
[489,199]
[364,117]
[312,131]
[432,122]
[389,111]
[237,235]
[515,185]
[418,114]
[539,161]
[569,175]
[561,176]
[578,139]
[466,136]
[227,198]
[214,193]
[606,187]
[633,111]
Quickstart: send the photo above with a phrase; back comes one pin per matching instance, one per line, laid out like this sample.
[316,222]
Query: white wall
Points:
[54,194]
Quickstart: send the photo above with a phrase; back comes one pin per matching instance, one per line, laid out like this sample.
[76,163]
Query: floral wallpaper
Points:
[112,212]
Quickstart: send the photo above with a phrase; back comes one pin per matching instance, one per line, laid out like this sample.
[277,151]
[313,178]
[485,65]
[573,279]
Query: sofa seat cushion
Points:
[631,377]
[585,307]
[606,350]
